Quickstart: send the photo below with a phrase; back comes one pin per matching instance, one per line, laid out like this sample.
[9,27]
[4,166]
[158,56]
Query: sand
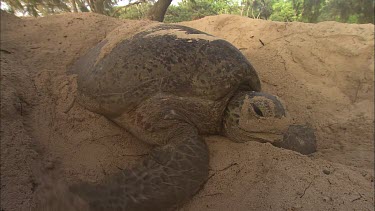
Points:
[323,72]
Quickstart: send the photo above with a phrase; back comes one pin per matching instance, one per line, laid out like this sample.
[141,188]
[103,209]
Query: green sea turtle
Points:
[168,85]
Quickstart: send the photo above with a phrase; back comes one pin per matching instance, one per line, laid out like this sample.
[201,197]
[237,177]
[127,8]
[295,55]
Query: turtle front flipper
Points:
[170,175]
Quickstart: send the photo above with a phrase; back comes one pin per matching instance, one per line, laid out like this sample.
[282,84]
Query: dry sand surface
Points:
[324,72]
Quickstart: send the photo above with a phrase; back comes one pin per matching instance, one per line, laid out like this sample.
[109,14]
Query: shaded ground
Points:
[324,72]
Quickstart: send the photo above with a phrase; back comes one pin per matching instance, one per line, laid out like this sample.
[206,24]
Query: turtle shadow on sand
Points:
[168,85]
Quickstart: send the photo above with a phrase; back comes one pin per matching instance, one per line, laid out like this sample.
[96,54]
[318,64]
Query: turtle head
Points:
[262,117]
[255,116]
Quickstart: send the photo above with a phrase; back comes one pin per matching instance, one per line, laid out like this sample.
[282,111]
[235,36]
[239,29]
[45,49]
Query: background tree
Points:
[351,11]
[195,9]
[284,11]
[312,9]
[158,10]
[37,7]
[101,6]
[45,7]
[261,9]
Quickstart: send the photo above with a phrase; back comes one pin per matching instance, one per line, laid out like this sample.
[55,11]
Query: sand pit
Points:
[324,72]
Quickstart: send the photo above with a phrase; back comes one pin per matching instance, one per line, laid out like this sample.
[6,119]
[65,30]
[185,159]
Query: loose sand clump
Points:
[324,72]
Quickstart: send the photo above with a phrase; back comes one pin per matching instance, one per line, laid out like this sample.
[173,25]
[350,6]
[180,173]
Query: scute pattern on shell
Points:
[157,60]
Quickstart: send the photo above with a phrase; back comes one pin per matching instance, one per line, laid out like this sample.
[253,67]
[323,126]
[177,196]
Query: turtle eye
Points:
[257,110]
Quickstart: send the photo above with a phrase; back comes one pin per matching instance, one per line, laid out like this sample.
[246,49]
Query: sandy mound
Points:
[324,73]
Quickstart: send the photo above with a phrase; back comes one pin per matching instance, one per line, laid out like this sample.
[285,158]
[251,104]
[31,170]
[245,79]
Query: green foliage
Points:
[192,10]
[261,8]
[44,7]
[312,10]
[353,19]
[348,11]
[351,11]
[186,10]
[284,11]
[134,12]
[37,7]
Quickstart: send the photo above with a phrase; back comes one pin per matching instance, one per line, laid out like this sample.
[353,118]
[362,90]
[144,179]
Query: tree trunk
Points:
[74,5]
[157,12]
[81,6]
[97,6]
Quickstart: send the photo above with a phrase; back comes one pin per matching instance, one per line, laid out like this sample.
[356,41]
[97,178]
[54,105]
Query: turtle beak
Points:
[262,130]
[299,138]
[266,137]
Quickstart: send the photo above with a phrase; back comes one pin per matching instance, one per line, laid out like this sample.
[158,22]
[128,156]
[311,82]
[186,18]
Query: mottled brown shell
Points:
[163,58]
